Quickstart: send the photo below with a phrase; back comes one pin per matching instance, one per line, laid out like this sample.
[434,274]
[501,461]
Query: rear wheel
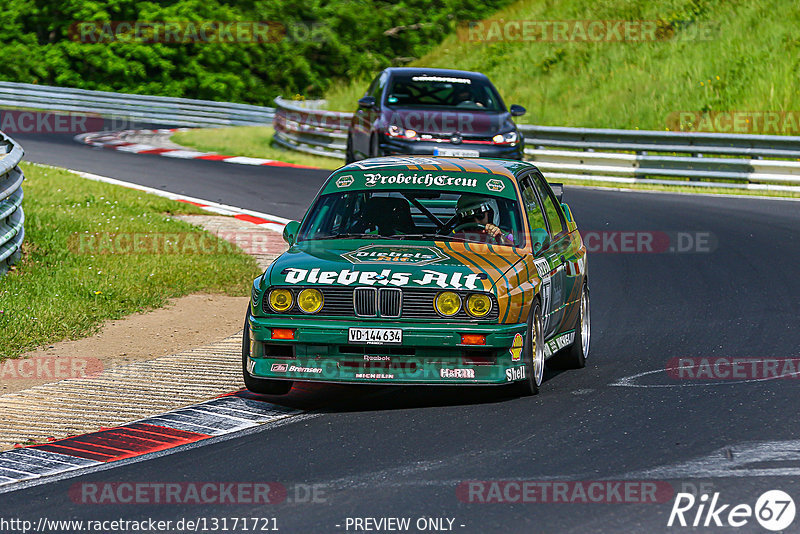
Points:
[574,356]
[259,385]
[533,354]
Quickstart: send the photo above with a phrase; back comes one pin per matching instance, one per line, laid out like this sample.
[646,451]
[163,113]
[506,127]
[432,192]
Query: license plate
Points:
[375,336]
[456,153]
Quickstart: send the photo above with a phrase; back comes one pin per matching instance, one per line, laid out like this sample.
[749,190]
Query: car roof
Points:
[503,167]
[440,72]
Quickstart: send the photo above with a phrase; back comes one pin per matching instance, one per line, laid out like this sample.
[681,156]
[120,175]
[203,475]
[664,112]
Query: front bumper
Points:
[392,146]
[429,353]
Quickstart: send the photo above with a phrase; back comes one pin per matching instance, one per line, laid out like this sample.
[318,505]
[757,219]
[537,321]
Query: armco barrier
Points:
[133,108]
[758,162]
[12,218]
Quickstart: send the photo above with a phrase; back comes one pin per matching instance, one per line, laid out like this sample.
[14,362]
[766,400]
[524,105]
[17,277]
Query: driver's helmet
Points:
[469,206]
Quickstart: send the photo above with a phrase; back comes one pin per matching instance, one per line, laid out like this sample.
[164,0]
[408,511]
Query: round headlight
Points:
[447,303]
[280,300]
[310,300]
[478,305]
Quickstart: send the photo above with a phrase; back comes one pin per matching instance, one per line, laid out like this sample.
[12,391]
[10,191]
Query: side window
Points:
[552,212]
[532,209]
[376,89]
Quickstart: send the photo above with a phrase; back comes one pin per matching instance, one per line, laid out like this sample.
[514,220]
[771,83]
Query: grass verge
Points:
[688,189]
[251,141]
[67,283]
[712,55]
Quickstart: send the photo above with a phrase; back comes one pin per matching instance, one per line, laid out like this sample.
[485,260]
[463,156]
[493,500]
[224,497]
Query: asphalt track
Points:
[403,452]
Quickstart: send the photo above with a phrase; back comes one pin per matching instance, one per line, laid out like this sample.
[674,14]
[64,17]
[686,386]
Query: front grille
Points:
[389,302]
[365,301]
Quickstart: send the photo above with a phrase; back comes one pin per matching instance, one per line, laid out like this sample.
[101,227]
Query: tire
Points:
[349,156]
[374,147]
[533,354]
[574,356]
[259,385]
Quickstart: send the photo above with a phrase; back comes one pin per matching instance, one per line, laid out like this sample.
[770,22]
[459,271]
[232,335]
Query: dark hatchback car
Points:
[439,112]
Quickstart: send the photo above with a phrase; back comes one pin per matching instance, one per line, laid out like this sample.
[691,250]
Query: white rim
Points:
[586,330]
[538,354]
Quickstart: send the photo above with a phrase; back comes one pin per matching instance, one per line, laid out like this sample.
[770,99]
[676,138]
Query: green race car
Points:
[420,270]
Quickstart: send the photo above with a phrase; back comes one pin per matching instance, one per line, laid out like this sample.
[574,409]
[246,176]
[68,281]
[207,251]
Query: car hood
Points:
[358,262]
[448,121]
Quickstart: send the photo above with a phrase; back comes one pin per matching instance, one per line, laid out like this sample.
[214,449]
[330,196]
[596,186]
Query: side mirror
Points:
[558,191]
[517,110]
[366,102]
[290,232]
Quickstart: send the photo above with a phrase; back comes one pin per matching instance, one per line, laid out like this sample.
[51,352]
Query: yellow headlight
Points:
[310,300]
[447,303]
[280,300]
[478,305]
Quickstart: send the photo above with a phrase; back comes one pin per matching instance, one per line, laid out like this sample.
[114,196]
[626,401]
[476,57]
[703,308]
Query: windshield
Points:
[443,91]
[412,214]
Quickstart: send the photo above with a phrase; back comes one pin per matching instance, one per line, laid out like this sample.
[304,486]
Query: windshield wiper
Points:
[350,236]
[428,235]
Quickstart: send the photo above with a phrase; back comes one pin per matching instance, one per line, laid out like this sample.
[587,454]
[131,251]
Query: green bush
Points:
[321,42]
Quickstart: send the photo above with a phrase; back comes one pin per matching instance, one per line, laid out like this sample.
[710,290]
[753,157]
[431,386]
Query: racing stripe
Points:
[514,291]
[518,292]
[503,302]
[446,246]
[472,166]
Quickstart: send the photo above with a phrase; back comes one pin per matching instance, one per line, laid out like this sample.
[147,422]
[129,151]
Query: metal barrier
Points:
[12,218]
[622,156]
[310,130]
[129,107]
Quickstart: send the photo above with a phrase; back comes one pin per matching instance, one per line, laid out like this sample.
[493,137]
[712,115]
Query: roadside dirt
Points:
[186,323]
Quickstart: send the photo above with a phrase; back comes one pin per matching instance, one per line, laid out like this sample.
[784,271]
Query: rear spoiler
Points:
[558,191]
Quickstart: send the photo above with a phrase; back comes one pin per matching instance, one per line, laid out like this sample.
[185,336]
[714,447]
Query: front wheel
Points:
[259,385]
[374,147]
[349,155]
[533,354]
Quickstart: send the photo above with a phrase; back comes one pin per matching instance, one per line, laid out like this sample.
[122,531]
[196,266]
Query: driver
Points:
[465,97]
[476,214]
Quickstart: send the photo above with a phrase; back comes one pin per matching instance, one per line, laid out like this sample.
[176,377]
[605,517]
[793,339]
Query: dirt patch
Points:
[186,323]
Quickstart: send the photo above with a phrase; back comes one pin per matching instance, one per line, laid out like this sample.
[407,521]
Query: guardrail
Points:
[310,130]
[12,218]
[623,156]
[133,108]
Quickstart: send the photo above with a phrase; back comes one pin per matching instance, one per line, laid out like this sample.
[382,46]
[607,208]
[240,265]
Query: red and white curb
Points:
[116,141]
[272,222]
[217,417]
